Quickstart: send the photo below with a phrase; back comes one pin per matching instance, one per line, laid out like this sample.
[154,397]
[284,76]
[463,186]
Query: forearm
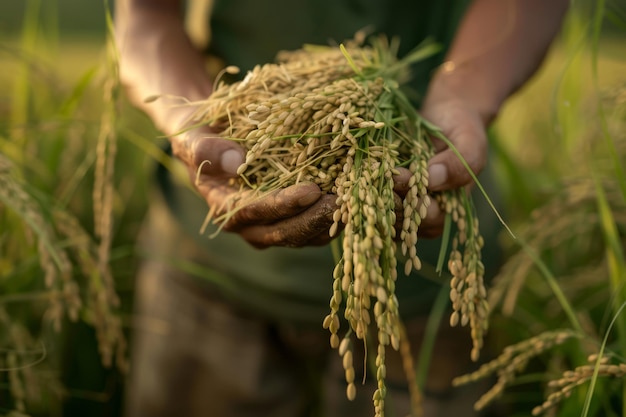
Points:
[157,58]
[498,47]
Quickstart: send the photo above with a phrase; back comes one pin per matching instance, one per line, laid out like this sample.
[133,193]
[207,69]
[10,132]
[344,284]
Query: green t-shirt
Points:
[296,284]
[250,32]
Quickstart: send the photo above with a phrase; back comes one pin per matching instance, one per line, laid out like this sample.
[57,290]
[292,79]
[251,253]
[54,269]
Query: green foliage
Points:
[566,269]
[559,150]
[69,217]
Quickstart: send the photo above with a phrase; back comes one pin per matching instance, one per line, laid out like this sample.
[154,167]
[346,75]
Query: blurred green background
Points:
[54,71]
[71,18]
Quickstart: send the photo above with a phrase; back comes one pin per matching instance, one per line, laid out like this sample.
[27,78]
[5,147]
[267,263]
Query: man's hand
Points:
[498,47]
[294,216]
[158,59]
[463,127]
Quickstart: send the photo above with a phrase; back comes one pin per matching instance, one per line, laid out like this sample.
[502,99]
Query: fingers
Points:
[430,227]
[465,130]
[300,215]
[295,216]
[309,228]
[432,224]
[217,157]
[207,154]
[446,169]
[401,182]
[276,206]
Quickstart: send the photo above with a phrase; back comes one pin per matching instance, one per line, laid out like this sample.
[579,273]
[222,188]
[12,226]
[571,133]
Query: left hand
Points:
[465,129]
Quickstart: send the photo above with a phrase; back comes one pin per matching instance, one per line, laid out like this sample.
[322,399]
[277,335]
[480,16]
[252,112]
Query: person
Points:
[232,324]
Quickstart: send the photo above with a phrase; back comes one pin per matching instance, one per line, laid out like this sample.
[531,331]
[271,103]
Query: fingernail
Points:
[308,199]
[437,175]
[303,193]
[231,160]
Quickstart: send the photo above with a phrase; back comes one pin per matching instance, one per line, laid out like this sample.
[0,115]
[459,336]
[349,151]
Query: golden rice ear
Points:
[512,360]
[562,387]
[336,117]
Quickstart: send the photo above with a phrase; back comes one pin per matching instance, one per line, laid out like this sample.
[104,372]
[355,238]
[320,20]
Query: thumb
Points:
[217,157]
[464,128]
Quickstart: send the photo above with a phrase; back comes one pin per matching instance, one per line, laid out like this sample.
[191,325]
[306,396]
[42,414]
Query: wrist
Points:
[467,84]
[162,72]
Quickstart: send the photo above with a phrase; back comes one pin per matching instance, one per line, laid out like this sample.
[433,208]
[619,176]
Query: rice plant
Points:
[59,212]
[561,291]
[558,331]
[337,117]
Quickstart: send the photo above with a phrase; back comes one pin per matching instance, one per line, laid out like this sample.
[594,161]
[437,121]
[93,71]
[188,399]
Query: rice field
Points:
[74,178]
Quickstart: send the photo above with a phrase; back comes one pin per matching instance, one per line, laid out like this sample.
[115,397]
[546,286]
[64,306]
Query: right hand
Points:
[157,57]
[299,215]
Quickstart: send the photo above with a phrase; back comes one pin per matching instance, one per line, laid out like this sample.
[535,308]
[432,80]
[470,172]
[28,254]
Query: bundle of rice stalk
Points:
[337,116]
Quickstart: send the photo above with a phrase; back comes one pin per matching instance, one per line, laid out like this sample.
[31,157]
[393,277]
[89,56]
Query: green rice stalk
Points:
[435,319]
[597,368]
[338,117]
